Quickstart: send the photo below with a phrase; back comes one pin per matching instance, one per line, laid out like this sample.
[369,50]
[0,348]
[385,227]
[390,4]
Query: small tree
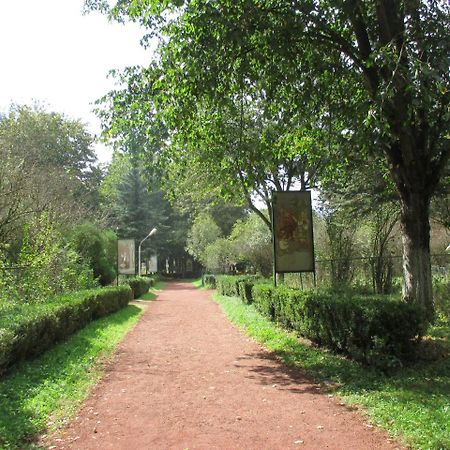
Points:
[203,233]
[252,241]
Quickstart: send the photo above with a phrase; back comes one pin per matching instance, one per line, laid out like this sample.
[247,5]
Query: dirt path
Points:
[185,378]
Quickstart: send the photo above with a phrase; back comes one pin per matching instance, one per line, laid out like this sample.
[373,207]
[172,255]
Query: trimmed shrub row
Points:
[372,329]
[236,286]
[139,285]
[362,327]
[209,281]
[26,330]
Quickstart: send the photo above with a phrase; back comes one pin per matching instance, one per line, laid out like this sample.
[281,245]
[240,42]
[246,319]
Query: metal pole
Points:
[139,259]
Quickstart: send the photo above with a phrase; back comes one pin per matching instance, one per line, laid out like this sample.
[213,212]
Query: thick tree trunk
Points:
[415,226]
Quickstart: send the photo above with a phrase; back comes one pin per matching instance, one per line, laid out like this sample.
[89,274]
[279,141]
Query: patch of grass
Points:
[41,394]
[412,403]
[197,283]
[153,291]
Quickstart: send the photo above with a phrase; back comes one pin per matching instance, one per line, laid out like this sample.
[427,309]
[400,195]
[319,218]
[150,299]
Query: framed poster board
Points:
[153,264]
[126,257]
[292,232]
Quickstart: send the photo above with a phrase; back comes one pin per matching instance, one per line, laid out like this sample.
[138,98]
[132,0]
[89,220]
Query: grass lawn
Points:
[42,394]
[412,403]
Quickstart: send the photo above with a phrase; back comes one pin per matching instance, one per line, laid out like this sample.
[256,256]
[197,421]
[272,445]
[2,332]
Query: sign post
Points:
[293,242]
[126,257]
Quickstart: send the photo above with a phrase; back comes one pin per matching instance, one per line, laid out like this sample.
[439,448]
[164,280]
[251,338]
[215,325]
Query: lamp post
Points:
[139,249]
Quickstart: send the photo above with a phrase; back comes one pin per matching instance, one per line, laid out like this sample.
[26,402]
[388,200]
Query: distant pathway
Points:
[185,378]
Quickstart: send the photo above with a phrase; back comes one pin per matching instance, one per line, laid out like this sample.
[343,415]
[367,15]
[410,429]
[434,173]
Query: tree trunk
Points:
[415,226]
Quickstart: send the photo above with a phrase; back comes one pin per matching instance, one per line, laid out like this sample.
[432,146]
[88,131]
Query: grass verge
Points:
[153,291]
[412,404]
[42,394]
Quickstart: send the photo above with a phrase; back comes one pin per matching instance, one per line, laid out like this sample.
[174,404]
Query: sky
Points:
[51,53]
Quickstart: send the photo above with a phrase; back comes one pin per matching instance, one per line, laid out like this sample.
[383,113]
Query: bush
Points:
[441,295]
[99,248]
[209,281]
[229,284]
[245,290]
[139,285]
[28,330]
[362,327]
[48,266]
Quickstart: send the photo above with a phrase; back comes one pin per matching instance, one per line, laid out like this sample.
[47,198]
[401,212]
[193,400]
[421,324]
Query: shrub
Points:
[441,295]
[28,330]
[139,285]
[245,290]
[209,281]
[229,284]
[362,327]
[262,297]
[48,265]
[99,248]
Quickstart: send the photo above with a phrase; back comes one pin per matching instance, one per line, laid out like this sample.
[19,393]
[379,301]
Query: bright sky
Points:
[51,53]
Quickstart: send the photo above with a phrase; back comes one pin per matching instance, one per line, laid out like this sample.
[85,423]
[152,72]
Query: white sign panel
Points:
[153,264]
[126,257]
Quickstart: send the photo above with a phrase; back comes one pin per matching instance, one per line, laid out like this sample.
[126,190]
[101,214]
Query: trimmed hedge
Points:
[26,330]
[139,285]
[209,281]
[236,286]
[361,327]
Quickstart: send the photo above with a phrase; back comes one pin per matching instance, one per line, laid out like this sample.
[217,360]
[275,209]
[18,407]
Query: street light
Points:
[139,249]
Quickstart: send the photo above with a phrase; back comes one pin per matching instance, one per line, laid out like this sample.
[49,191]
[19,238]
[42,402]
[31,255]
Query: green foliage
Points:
[203,233]
[245,288]
[98,248]
[209,281]
[39,396]
[230,284]
[236,84]
[48,266]
[252,243]
[27,330]
[375,330]
[441,296]
[139,285]
[48,164]
[134,204]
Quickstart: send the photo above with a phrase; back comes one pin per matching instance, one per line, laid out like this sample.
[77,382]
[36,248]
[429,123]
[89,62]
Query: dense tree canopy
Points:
[376,72]
[48,164]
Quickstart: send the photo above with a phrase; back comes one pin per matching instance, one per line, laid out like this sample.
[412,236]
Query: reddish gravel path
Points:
[185,378]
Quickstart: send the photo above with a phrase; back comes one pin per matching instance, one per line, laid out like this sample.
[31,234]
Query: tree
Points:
[203,233]
[47,165]
[252,243]
[134,205]
[240,149]
[393,53]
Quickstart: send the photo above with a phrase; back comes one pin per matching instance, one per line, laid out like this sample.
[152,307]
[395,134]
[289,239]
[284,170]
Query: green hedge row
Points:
[236,286]
[209,281]
[139,285]
[364,327]
[26,330]
[373,329]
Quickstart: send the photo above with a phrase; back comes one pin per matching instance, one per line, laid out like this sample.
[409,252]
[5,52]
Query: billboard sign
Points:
[153,264]
[126,257]
[293,231]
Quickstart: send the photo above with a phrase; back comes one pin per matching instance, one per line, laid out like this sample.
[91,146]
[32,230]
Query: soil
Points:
[186,378]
